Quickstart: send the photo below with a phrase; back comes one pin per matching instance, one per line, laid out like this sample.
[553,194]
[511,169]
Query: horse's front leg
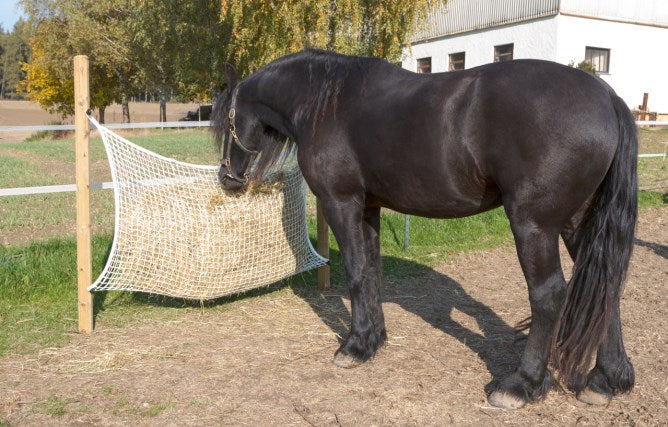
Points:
[357,231]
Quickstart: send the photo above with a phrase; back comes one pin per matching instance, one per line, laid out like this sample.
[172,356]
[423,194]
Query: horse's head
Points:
[238,134]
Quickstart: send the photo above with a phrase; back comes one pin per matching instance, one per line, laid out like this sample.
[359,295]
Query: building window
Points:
[456,61]
[424,65]
[503,52]
[599,58]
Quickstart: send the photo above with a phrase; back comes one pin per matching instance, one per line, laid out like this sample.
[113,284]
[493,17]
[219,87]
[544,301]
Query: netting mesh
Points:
[178,233]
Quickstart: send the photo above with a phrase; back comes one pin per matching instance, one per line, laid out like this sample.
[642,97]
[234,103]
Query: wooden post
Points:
[82,132]
[323,246]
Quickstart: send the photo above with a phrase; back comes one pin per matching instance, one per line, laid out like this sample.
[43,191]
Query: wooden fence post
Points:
[82,132]
[323,246]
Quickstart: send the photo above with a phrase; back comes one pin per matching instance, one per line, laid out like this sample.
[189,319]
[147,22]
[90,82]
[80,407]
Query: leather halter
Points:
[232,131]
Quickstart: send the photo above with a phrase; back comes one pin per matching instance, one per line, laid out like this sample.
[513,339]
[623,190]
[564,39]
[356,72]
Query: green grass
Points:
[54,406]
[36,163]
[653,140]
[193,146]
[16,172]
[651,199]
[156,409]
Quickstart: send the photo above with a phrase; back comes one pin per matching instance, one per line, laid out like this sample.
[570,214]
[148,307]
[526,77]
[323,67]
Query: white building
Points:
[625,40]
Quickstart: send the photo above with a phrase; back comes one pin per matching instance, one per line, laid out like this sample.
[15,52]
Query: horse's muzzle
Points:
[226,180]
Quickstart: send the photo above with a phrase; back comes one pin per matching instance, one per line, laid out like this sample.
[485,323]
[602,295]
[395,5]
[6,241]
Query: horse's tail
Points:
[605,244]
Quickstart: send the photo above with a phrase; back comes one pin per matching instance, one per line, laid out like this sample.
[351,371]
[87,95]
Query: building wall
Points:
[532,39]
[637,60]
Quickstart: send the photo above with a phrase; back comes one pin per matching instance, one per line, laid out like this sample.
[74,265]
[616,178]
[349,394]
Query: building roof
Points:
[460,16]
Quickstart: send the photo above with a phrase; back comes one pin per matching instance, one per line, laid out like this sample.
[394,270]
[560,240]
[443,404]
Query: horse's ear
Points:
[230,75]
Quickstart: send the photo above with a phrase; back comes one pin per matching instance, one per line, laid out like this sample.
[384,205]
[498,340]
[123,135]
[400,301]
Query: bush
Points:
[50,134]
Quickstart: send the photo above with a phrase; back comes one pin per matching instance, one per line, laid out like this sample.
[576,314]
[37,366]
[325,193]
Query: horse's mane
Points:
[327,74]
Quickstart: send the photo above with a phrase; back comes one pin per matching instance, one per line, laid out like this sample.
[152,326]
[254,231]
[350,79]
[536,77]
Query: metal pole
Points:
[407,229]
[323,246]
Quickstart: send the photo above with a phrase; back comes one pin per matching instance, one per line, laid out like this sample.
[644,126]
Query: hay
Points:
[237,241]
[178,233]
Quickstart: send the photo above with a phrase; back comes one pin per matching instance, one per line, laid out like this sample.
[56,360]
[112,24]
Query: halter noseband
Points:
[235,138]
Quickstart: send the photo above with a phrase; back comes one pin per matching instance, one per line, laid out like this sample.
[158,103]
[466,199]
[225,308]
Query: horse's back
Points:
[468,139]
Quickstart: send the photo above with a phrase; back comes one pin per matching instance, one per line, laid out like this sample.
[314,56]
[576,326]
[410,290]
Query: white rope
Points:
[141,125]
[178,233]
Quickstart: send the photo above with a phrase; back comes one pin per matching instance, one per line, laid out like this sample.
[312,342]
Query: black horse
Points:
[553,145]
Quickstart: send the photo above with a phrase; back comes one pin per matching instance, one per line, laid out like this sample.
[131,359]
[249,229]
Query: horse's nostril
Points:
[221,174]
[227,181]
[231,185]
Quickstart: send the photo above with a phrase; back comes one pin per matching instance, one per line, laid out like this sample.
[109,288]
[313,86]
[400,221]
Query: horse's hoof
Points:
[343,360]
[593,398]
[504,400]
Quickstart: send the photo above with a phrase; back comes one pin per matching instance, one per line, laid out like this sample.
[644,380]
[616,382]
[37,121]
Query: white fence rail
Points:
[23,191]
[144,125]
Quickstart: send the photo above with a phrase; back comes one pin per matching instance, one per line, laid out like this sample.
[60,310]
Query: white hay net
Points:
[178,233]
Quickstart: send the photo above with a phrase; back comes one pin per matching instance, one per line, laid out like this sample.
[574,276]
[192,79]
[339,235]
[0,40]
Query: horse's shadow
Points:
[434,297]
[416,288]
[660,250]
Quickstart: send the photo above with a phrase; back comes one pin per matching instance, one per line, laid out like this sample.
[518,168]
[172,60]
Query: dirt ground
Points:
[267,360]
[26,113]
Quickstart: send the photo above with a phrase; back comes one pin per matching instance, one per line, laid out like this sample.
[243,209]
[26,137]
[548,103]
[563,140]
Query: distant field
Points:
[26,113]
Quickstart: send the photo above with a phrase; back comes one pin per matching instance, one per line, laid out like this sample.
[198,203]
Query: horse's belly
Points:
[438,203]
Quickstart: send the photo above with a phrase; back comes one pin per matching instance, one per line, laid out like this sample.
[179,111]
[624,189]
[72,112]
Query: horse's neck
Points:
[282,99]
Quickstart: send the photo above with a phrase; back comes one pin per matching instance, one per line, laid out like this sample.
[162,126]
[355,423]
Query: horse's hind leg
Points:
[538,251]
[613,372]
[357,231]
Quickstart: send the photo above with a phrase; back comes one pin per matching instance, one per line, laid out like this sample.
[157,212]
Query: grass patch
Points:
[124,406]
[27,218]
[155,409]
[38,293]
[651,199]
[652,140]
[192,145]
[54,406]
[15,172]
[25,164]
[653,174]
[47,135]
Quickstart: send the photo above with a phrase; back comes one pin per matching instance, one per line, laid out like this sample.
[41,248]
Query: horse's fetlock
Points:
[520,388]
[620,378]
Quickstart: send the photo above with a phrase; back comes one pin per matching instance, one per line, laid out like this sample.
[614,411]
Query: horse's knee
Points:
[548,297]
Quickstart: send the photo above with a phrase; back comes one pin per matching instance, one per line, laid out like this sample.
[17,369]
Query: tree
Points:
[258,31]
[13,50]
[136,45]
[49,81]
[48,75]
[176,47]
